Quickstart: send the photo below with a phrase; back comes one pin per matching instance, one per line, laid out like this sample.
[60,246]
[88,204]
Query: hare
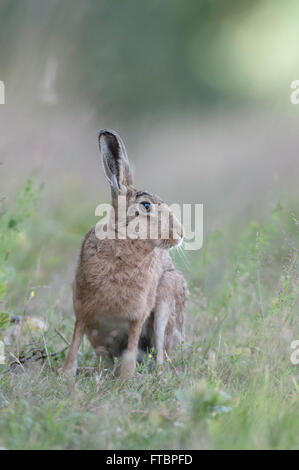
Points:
[127,295]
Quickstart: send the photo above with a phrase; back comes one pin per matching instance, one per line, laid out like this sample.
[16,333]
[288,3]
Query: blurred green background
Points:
[200,91]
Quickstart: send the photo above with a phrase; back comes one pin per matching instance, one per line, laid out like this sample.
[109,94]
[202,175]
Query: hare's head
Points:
[138,214]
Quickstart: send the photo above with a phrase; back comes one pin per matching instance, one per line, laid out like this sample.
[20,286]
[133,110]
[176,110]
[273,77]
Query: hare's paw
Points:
[128,365]
[68,373]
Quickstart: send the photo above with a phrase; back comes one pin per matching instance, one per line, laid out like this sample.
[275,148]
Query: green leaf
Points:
[4,320]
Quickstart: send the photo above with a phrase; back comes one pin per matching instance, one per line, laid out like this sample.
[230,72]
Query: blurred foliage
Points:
[11,223]
[134,57]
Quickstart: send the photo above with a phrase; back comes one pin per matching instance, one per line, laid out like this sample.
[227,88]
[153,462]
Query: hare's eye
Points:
[146,205]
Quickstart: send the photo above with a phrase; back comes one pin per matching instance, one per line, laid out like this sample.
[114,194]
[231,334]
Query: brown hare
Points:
[128,296]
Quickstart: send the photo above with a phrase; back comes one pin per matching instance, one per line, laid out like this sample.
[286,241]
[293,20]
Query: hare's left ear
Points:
[115,161]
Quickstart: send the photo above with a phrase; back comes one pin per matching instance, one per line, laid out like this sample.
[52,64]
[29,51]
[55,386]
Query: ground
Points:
[231,384]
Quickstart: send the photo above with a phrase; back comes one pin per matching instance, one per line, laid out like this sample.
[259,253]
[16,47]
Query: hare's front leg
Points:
[70,365]
[128,363]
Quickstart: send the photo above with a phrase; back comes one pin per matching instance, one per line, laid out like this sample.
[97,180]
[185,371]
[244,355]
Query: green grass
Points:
[231,385]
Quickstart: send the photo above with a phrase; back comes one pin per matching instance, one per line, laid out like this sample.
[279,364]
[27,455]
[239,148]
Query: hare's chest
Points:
[121,291]
[116,299]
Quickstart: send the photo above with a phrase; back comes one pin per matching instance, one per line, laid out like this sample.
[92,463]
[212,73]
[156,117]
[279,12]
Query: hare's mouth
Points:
[177,243]
[169,244]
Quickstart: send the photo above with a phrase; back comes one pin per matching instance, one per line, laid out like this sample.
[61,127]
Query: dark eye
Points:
[146,205]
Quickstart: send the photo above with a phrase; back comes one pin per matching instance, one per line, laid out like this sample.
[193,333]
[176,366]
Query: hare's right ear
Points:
[115,161]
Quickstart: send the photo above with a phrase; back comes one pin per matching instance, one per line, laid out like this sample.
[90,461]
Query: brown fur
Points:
[127,293]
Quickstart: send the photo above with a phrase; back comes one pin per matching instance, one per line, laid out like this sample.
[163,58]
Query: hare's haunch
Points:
[128,296]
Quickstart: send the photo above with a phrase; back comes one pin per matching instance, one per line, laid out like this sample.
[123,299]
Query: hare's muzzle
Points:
[171,231]
[176,231]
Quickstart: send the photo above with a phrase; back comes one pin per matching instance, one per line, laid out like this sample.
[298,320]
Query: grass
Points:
[231,385]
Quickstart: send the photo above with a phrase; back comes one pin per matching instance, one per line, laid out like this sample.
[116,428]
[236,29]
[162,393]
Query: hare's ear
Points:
[115,161]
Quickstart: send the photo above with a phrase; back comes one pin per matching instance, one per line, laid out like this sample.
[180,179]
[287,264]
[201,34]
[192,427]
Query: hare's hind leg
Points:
[169,314]
[161,317]
[70,365]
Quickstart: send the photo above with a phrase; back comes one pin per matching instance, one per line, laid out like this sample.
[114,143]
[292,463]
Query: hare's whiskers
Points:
[183,257]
